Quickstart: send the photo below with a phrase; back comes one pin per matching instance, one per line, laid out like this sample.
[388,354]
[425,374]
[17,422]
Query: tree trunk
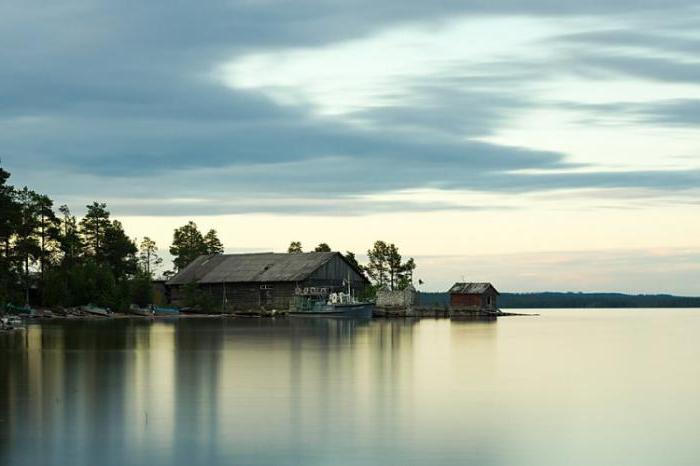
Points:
[26,279]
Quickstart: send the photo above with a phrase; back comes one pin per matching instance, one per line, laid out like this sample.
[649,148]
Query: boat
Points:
[95,310]
[10,322]
[198,311]
[335,305]
[165,311]
[19,309]
[140,311]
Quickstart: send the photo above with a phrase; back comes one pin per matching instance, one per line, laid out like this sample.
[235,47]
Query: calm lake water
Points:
[570,387]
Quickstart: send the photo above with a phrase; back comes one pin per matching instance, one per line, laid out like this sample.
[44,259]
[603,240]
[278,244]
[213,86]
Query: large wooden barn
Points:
[266,280]
[474,296]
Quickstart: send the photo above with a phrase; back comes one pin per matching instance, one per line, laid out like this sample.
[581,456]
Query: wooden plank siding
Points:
[252,295]
[486,300]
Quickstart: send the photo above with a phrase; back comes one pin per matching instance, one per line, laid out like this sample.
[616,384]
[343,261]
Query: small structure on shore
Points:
[241,282]
[397,299]
[474,297]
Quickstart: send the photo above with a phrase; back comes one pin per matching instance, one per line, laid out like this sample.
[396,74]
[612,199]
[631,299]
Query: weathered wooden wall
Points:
[474,301]
[276,295]
[333,273]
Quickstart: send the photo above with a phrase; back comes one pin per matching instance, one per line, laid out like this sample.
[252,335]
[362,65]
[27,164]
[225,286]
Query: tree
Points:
[212,244]
[69,241]
[93,228]
[27,247]
[377,267]
[188,244]
[323,247]
[394,266]
[141,289]
[386,268]
[118,251]
[148,256]
[9,212]
[350,257]
[406,274]
[48,231]
[294,247]
[9,218]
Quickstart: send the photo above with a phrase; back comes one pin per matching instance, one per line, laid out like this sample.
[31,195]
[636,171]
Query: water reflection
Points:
[325,391]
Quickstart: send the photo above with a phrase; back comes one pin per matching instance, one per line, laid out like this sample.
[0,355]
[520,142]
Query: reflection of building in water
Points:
[198,348]
[150,385]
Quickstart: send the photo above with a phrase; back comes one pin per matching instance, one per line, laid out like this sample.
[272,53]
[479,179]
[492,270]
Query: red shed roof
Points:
[472,288]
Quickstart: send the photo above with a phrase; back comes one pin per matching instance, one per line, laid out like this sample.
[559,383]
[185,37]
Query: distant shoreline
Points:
[571,300]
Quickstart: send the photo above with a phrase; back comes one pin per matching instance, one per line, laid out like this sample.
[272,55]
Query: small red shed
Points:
[474,296]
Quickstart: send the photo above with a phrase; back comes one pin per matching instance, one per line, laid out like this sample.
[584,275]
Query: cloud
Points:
[123,102]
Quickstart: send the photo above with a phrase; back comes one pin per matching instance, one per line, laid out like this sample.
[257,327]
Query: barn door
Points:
[265,296]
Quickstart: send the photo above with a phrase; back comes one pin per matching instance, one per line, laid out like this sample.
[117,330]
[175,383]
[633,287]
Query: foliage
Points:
[350,257]
[9,217]
[92,260]
[69,241]
[294,247]
[70,263]
[27,248]
[195,297]
[148,256]
[386,268]
[141,289]
[93,228]
[188,244]
[212,244]
[119,251]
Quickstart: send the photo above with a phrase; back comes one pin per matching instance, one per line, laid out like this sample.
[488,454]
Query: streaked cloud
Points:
[345,109]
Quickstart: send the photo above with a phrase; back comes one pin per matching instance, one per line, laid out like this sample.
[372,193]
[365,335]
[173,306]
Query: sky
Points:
[539,145]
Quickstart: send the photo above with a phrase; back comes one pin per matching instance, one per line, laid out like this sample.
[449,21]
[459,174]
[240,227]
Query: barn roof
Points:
[258,267]
[472,288]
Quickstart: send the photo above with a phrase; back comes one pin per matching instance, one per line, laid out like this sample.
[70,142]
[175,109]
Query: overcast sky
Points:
[541,145]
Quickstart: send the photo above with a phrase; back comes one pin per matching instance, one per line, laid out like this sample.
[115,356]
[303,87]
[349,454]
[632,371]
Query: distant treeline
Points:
[576,300]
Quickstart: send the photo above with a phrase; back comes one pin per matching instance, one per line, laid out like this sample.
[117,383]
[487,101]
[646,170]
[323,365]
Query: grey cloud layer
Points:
[119,94]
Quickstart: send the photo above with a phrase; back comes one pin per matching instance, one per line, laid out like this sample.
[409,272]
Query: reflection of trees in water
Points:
[192,386]
[198,354]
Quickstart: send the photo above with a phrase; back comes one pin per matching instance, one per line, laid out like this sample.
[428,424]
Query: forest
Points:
[49,257]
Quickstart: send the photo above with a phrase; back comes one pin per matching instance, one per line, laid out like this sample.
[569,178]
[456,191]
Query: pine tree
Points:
[148,256]
[294,247]
[212,244]
[377,267]
[69,240]
[188,244]
[26,245]
[9,218]
[93,228]
[119,251]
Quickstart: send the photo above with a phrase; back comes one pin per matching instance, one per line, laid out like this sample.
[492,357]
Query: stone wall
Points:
[398,298]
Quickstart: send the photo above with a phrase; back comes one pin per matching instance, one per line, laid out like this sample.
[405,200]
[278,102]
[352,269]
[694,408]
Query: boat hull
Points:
[357,310]
[95,311]
[165,311]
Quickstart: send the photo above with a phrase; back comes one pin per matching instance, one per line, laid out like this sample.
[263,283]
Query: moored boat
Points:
[165,311]
[11,308]
[336,305]
[140,311]
[10,322]
[95,310]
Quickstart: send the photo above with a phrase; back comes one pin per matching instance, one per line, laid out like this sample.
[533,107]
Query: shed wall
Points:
[486,300]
